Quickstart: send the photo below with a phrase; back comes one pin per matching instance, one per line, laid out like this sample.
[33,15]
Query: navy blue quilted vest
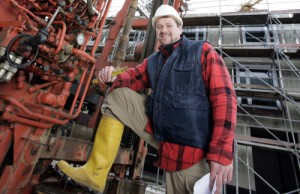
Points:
[178,104]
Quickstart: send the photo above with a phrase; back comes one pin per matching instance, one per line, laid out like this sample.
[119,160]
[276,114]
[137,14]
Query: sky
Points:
[217,6]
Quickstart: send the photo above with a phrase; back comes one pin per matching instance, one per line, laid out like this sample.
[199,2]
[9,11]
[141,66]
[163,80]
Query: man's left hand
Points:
[221,173]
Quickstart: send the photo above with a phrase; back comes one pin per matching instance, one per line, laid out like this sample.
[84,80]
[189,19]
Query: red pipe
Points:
[84,91]
[83,54]
[113,33]
[29,112]
[40,86]
[47,118]
[177,4]
[43,14]
[14,118]
[103,18]
[35,5]
[87,33]
[14,3]
[62,37]
[75,5]
[52,2]
[78,90]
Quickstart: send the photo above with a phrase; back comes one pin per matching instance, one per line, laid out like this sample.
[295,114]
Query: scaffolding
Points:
[260,47]
[261,51]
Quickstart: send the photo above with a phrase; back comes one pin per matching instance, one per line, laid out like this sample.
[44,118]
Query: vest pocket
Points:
[191,102]
[187,66]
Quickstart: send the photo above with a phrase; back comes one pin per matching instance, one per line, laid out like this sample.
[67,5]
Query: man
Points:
[189,116]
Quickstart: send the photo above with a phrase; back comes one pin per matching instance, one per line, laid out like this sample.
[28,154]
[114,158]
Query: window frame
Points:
[249,75]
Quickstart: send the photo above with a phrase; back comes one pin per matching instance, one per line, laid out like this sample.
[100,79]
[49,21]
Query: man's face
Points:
[167,31]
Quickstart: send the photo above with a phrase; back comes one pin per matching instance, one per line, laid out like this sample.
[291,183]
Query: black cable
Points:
[12,63]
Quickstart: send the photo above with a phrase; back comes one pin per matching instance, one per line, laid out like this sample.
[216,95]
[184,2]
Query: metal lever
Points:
[53,17]
[42,35]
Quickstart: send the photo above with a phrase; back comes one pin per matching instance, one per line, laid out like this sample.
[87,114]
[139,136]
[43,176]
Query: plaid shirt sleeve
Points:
[223,103]
[134,78]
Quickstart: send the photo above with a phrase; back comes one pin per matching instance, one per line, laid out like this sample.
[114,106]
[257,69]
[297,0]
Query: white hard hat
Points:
[166,10]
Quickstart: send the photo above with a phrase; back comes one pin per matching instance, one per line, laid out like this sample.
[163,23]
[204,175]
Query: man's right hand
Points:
[104,74]
[221,174]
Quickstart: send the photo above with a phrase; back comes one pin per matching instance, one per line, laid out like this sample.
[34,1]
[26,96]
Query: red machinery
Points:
[48,108]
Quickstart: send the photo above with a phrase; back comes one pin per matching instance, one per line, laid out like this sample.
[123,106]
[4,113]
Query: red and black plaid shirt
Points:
[173,157]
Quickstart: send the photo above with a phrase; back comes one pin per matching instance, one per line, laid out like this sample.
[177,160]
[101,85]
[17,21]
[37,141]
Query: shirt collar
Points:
[168,49]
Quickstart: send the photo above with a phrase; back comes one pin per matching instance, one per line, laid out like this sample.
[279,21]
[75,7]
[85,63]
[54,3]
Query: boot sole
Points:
[67,179]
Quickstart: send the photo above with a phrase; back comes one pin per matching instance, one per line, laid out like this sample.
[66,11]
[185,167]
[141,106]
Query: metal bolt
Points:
[18,60]
[2,51]
[12,56]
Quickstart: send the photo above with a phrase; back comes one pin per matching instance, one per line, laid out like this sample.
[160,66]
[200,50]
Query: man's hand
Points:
[105,75]
[221,173]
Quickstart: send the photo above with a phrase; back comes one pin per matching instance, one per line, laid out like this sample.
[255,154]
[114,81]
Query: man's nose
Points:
[163,28]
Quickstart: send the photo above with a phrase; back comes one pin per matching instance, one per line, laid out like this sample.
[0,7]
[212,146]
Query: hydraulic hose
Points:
[12,41]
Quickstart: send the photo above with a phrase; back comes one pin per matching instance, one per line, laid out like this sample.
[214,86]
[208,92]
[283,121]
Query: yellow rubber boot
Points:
[94,172]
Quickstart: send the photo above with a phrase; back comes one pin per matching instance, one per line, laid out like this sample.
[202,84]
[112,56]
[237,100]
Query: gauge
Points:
[80,38]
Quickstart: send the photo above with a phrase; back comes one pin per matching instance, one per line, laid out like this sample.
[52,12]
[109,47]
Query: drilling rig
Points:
[49,108]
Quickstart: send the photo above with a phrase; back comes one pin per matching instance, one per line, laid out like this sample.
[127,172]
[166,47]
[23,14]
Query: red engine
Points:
[45,76]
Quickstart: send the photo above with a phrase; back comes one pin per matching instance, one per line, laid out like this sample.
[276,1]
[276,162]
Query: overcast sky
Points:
[217,6]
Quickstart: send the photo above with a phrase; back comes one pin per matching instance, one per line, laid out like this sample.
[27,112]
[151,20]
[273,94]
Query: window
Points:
[257,36]
[195,33]
[256,78]
[272,38]
[253,36]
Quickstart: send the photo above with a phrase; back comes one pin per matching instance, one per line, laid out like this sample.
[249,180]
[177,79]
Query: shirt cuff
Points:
[221,156]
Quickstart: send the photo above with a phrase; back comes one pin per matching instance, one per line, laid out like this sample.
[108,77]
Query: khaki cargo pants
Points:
[129,107]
